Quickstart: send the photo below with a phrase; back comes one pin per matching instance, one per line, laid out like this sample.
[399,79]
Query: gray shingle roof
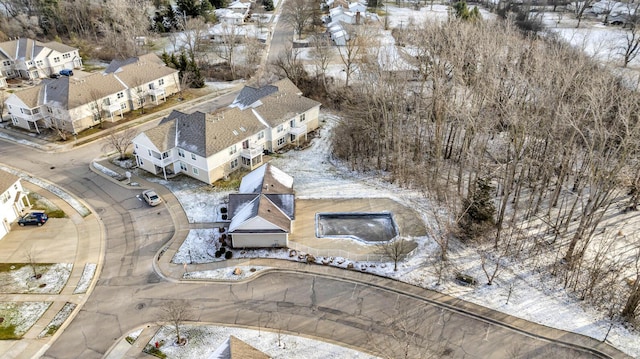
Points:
[249,95]
[208,134]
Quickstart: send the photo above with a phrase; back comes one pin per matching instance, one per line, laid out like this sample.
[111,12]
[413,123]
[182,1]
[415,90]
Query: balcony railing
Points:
[251,152]
[298,130]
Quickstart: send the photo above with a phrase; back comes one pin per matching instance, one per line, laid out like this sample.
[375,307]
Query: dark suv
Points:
[37,218]
[66,72]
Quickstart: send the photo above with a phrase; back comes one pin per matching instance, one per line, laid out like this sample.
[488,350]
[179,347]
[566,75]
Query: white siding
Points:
[259,240]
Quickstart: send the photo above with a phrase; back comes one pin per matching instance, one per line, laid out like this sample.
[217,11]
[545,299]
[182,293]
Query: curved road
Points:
[358,313]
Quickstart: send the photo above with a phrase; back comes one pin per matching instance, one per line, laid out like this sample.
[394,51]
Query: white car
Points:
[151,197]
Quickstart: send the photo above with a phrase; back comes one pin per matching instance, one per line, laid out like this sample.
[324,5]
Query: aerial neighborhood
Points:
[323,179]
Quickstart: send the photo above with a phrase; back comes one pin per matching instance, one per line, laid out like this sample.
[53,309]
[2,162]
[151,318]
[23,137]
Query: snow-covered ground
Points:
[209,342]
[316,175]
[22,314]
[52,278]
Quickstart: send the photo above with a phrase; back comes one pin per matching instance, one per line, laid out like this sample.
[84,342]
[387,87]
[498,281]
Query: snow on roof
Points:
[246,211]
[252,182]
[280,176]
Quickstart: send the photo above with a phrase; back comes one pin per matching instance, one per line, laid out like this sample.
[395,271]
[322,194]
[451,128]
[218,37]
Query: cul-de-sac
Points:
[255,179]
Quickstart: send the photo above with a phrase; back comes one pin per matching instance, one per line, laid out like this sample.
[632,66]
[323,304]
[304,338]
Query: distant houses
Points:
[72,104]
[31,59]
[209,147]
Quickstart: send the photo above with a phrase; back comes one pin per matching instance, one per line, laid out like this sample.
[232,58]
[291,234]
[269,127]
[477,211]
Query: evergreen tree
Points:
[479,210]
[463,12]
[268,5]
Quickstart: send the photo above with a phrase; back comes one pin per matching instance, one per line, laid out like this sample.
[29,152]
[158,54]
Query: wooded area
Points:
[529,143]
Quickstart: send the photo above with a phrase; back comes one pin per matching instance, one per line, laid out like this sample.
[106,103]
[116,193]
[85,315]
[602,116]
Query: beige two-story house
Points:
[73,104]
[209,147]
[31,59]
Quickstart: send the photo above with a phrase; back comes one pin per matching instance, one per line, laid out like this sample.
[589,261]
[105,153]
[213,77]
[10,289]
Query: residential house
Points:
[13,200]
[74,104]
[31,59]
[209,147]
[281,106]
[262,213]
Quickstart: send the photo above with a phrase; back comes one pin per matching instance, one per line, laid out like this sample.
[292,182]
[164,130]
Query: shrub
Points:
[228,255]
[465,279]
[218,254]
[222,250]
[223,210]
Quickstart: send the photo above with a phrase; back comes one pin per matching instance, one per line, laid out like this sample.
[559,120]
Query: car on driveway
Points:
[36,218]
[151,197]
[54,75]
[66,72]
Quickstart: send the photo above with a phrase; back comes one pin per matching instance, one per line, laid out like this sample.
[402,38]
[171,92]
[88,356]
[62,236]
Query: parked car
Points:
[37,218]
[66,72]
[151,197]
[54,76]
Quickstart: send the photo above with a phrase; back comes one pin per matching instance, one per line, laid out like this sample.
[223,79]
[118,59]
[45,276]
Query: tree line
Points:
[533,146]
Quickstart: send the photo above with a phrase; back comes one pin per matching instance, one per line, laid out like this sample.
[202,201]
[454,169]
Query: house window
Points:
[260,135]
[120,95]
[136,146]
[149,152]
[141,161]
[35,111]
[66,56]
[234,163]
[165,155]
[233,149]
[141,101]
[281,141]
[5,197]
[56,59]
[151,86]
[180,153]
[302,118]
[246,161]
[195,171]
[183,166]
[161,82]
[39,63]
[123,106]
[193,157]
[6,63]
[107,101]
[280,128]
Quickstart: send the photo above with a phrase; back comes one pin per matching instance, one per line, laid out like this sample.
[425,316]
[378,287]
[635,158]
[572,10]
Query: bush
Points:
[465,279]
[228,255]
[223,210]
[222,250]
[218,254]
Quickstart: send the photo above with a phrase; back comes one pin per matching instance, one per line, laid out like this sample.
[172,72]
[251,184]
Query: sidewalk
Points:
[83,244]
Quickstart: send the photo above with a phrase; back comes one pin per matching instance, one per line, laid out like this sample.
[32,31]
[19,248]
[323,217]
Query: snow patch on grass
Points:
[58,320]
[226,273]
[204,341]
[85,279]
[22,315]
[21,280]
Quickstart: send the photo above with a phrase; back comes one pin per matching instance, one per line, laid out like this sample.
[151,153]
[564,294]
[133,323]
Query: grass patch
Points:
[8,267]
[8,332]
[40,203]
[57,213]
[232,182]
[150,349]
[130,340]
[52,330]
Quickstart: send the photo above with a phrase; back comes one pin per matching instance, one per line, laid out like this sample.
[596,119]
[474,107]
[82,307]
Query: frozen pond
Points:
[366,227]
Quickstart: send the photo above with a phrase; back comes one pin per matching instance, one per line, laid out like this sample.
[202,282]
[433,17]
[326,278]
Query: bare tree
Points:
[353,51]
[230,38]
[631,42]
[580,7]
[30,258]
[298,13]
[195,31]
[176,312]
[396,249]
[290,64]
[321,54]
[96,104]
[119,141]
